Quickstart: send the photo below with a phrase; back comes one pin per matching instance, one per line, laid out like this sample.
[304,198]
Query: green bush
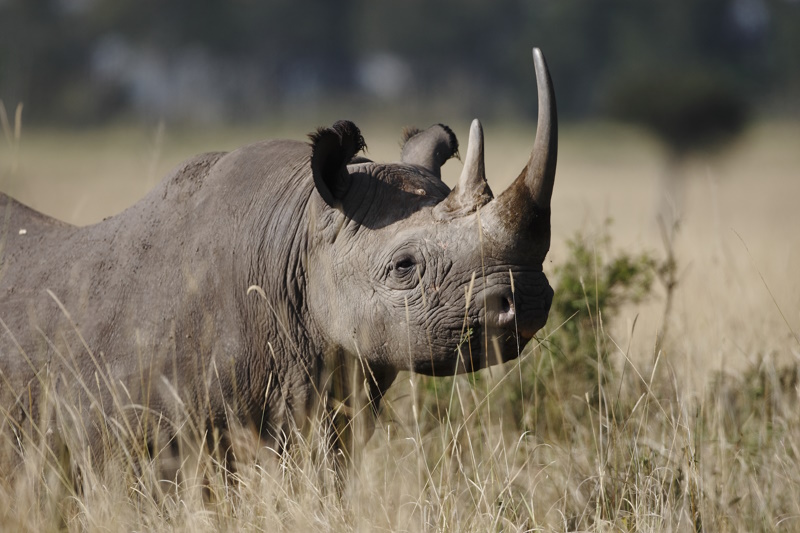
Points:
[594,282]
[591,287]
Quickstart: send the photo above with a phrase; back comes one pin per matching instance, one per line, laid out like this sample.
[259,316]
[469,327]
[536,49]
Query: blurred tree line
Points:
[90,61]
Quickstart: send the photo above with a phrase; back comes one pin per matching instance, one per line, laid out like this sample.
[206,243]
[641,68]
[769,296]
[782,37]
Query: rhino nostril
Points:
[501,309]
[506,305]
[506,310]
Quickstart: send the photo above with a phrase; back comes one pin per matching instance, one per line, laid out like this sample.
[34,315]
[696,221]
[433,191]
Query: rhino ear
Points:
[429,148]
[331,150]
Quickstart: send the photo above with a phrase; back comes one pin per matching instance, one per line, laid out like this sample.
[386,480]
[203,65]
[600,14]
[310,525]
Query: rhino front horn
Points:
[523,206]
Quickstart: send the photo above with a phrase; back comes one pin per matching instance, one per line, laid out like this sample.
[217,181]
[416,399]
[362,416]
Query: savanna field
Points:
[661,396]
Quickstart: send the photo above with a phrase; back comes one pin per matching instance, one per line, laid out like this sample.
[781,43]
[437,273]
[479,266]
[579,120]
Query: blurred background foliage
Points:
[89,62]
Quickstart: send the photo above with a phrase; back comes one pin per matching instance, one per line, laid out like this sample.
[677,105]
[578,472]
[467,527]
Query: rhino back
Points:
[23,229]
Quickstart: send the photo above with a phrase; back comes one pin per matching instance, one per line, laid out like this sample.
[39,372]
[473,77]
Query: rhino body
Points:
[234,290]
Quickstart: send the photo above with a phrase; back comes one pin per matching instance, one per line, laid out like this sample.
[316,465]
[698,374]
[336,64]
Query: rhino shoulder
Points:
[187,177]
[211,171]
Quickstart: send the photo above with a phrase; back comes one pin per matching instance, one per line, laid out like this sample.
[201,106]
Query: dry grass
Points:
[702,435]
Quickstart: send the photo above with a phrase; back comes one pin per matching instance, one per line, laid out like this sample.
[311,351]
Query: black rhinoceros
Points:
[228,290]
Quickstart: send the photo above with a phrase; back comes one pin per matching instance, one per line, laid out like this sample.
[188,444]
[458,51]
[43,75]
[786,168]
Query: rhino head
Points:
[410,275]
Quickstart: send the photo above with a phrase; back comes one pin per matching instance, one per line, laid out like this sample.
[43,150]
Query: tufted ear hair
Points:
[331,150]
[429,148]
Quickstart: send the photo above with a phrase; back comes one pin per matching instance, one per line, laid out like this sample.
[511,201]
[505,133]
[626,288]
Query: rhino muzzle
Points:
[519,218]
[524,315]
[516,229]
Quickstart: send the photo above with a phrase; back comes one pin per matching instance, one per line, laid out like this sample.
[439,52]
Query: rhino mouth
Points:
[498,339]
[500,323]
[486,348]
[480,346]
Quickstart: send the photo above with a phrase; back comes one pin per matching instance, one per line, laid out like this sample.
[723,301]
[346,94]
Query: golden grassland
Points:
[702,434]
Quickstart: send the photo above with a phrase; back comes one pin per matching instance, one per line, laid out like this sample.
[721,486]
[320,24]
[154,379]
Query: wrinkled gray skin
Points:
[238,280]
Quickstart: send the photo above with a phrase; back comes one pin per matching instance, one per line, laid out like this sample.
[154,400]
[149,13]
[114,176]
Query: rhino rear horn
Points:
[429,148]
[331,150]
[472,190]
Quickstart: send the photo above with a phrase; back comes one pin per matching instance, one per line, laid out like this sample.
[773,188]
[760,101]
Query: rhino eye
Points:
[405,269]
[404,265]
